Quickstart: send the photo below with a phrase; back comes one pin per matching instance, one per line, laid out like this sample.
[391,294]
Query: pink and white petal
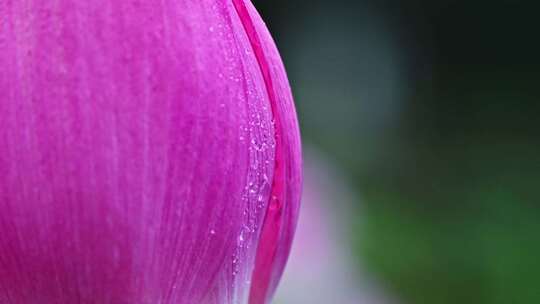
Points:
[282,213]
[136,140]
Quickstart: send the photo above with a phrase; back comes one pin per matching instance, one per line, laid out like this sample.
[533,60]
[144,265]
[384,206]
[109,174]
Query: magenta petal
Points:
[138,141]
[282,213]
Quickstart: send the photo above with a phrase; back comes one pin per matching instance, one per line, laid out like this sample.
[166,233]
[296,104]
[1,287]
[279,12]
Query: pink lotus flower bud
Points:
[149,153]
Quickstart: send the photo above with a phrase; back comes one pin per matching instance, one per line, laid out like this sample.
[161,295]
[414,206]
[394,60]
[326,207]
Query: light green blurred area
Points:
[431,109]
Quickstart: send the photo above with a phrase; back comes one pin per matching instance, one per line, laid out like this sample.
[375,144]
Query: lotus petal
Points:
[145,147]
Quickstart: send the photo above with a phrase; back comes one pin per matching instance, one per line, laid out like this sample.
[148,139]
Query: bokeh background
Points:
[428,112]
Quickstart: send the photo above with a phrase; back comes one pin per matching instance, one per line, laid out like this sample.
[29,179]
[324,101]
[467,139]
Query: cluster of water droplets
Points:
[258,136]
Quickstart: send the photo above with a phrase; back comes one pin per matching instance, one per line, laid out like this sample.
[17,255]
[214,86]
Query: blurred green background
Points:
[431,108]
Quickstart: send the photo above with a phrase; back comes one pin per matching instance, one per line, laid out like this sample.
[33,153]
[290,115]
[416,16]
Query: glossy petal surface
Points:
[282,213]
[138,141]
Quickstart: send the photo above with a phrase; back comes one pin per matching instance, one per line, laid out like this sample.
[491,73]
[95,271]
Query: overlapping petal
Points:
[282,213]
[140,148]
